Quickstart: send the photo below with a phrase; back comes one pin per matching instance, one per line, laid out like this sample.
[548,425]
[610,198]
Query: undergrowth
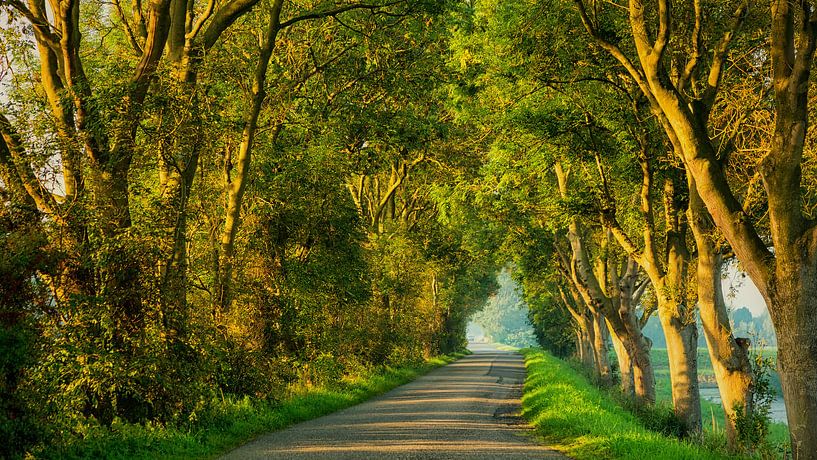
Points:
[227,423]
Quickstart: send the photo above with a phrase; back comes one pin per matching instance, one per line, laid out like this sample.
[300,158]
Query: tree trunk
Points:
[681,334]
[600,353]
[792,306]
[643,374]
[730,358]
[638,345]
[625,364]
[641,379]
[238,184]
[587,339]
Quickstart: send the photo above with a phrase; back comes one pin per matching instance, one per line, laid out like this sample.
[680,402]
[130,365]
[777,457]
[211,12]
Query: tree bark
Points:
[235,190]
[638,345]
[584,326]
[793,311]
[587,337]
[681,335]
[668,278]
[600,350]
[625,364]
[730,358]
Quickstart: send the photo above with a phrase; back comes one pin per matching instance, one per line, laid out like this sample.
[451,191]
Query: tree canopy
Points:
[233,197]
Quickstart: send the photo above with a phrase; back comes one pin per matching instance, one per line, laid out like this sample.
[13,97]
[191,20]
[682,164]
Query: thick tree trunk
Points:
[730,357]
[638,345]
[600,352]
[588,357]
[792,305]
[639,349]
[643,374]
[625,364]
[681,335]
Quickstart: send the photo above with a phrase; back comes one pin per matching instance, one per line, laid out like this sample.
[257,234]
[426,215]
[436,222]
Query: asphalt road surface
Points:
[464,410]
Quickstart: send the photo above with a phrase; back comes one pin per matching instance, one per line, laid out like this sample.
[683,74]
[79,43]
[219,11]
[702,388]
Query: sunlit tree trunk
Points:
[584,326]
[729,356]
[786,277]
[600,350]
[668,277]
[637,344]
[625,364]
[681,335]
[238,182]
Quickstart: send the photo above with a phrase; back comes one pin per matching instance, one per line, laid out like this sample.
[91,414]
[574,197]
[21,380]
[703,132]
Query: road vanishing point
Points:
[465,410]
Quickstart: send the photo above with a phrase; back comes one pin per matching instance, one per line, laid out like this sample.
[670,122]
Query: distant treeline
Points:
[759,330]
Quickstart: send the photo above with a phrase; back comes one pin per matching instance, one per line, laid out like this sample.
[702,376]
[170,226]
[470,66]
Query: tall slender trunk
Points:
[600,351]
[681,334]
[176,194]
[177,173]
[580,346]
[238,184]
[729,356]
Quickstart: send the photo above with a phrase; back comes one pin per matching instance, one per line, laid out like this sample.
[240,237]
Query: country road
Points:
[463,410]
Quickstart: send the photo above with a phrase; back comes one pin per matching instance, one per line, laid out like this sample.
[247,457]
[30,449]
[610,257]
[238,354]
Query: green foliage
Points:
[753,425]
[113,328]
[403,155]
[22,302]
[227,422]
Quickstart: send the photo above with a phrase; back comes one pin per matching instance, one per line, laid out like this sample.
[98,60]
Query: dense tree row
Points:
[230,196]
[633,149]
[223,197]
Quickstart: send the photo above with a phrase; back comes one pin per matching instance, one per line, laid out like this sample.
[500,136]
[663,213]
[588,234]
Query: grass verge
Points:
[585,423]
[230,423]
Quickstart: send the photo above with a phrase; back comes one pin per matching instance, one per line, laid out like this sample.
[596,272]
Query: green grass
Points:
[586,423]
[230,423]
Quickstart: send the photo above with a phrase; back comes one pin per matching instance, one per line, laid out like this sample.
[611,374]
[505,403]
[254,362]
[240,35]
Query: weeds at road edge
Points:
[232,422]
[585,423]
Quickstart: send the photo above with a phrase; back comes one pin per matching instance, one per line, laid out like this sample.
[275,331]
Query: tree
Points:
[683,105]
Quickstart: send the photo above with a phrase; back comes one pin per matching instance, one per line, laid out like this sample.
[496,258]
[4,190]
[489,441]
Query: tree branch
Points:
[10,143]
[224,18]
[336,11]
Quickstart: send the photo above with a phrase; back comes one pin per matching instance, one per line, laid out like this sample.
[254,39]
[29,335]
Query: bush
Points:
[753,427]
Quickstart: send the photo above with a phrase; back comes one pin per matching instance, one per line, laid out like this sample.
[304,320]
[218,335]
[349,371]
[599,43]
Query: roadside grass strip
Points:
[582,421]
[229,423]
